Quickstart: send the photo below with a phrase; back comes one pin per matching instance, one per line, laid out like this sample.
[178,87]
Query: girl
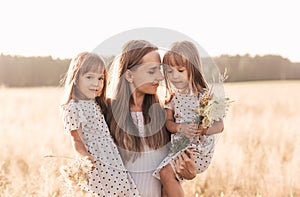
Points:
[137,118]
[182,68]
[85,86]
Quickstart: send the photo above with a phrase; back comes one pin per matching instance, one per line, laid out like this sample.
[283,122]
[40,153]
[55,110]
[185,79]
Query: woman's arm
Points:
[79,146]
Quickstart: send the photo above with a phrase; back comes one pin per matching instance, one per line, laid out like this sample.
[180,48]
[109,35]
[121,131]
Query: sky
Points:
[63,28]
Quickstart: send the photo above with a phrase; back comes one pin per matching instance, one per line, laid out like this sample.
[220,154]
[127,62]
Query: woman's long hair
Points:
[185,53]
[122,127]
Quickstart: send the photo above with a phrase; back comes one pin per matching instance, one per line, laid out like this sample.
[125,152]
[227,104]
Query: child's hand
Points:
[188,129]
[90,157]
[201,131]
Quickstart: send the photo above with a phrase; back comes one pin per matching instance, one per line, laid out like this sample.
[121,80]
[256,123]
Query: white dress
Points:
[183,106]
[109,178]
[143,167]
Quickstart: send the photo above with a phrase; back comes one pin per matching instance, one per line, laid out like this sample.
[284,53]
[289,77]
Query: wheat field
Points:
[256,155]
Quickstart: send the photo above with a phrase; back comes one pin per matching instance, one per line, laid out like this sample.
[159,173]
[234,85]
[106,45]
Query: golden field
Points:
[256,155]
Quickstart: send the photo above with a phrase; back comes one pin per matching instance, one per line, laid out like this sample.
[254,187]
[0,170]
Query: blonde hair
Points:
[121,124]
[185,53]
[82,63]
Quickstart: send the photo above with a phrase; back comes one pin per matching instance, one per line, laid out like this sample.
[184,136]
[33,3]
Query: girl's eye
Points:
[88,77]
[180,71]
[169,71]
[100,78]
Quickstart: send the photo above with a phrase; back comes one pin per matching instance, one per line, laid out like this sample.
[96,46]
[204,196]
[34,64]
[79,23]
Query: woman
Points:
[136,117]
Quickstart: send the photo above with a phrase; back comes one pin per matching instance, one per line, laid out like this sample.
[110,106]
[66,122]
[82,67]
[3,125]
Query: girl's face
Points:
[147,76]
[178,76]
[90,84]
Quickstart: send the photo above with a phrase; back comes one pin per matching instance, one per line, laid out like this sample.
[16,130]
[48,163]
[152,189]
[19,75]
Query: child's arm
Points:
[171,125]
[217,127]
[187,129]
[79,146]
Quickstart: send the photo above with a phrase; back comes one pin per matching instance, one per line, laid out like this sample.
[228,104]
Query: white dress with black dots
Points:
[109,178]
[183,106]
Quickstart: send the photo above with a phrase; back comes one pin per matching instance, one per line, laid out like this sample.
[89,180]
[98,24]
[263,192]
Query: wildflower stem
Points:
[58,156]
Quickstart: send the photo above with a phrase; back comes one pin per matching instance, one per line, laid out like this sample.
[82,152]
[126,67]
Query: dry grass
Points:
[257,155]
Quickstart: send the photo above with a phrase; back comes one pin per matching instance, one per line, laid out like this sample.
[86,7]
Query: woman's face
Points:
[147,76]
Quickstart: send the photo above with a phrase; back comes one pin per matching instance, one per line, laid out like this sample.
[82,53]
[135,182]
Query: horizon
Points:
[231,55]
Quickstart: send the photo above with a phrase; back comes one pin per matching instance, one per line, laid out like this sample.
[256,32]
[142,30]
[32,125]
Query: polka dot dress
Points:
[109,178]
[202,146]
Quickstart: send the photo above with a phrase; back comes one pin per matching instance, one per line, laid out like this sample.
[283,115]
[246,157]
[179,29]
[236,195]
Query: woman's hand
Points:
[185,165]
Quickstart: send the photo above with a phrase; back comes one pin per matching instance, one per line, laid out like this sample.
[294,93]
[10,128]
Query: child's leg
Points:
[171,186]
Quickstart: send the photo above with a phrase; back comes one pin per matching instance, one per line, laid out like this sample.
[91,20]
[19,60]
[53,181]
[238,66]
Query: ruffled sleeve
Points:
[73,117]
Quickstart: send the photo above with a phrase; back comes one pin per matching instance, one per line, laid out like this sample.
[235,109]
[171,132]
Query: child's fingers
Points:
[189,130]
[193,126]
[198,132]
[91,159]
[201,130]
[189,133]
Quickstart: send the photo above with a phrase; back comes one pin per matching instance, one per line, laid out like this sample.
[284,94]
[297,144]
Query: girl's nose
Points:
[96,82]
[175,75]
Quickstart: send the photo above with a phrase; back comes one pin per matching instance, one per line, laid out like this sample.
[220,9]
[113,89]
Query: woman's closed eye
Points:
[151,71]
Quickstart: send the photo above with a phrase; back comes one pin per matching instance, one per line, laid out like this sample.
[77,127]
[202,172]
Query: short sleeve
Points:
[170,105]
[72,118]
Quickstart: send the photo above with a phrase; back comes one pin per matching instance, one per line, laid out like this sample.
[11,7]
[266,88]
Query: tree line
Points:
[19,71]
[268,67]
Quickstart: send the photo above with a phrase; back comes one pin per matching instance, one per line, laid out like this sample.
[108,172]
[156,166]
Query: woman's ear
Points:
[129,76]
